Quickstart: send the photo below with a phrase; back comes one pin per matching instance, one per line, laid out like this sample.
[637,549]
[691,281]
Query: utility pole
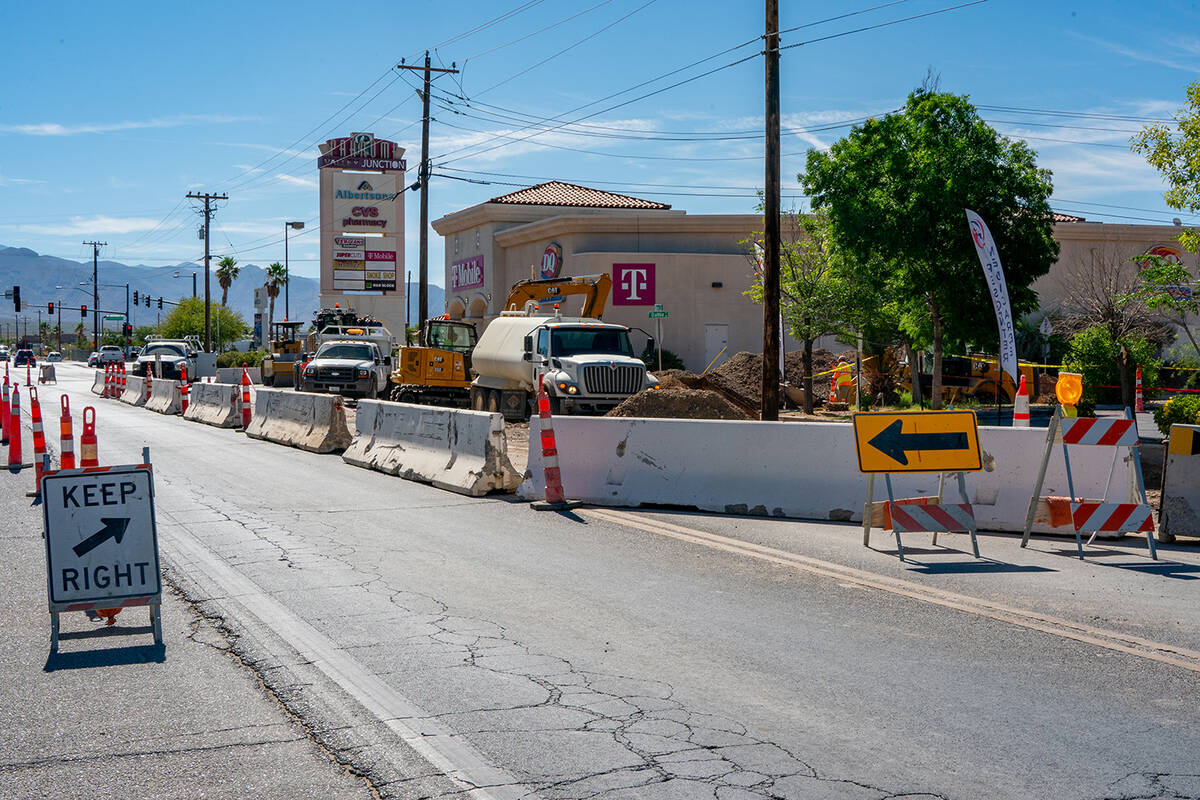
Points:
[95,293]
[207,198]
[423,181]
[770,267]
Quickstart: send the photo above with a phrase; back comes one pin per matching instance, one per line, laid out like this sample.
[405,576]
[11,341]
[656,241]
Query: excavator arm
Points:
[595,289]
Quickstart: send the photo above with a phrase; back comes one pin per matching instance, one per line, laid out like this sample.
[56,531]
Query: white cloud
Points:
[292,180]
[1171,56]
[6,181]
[59,129]
[98,225]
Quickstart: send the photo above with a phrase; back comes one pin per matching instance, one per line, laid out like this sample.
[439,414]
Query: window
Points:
[543,342]
[356,352]
[573,341]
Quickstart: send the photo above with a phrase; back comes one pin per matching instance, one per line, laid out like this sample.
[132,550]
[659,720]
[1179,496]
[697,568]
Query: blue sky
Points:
[111,113]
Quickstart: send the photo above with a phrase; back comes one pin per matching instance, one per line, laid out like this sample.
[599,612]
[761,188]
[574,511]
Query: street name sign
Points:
[101,540]
[917,441]
[658,315]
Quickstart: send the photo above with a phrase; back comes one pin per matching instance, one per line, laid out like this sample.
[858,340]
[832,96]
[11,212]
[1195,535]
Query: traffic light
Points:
[17,297]
[160,304]
[83,312]
[127,329]
[147,299]
[135,297]
[50,307]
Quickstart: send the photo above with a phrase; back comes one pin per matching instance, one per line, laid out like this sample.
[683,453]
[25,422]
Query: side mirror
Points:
[528,345]
[191,354]
[387,360]
[527,356]
[650,343]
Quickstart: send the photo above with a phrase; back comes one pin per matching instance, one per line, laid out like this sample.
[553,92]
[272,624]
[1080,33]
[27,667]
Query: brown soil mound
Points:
[682,403]
[680,379]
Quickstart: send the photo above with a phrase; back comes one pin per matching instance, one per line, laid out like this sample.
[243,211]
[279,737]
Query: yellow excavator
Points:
[437,370]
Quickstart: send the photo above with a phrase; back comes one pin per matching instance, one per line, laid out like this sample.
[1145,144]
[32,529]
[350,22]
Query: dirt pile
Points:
[678,402]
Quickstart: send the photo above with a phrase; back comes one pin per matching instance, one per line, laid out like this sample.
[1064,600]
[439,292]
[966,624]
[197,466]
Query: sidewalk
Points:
[114,716]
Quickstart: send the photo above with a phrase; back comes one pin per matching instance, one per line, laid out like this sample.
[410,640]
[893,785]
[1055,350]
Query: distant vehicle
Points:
[24,358]
[351,368]
[4,353]
[110,353]
[53,357]
[173,354]
[94,359]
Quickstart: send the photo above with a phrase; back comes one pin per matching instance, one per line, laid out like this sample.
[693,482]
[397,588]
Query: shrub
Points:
[1181,409]
[1094,353]
[233,358]
[669,359]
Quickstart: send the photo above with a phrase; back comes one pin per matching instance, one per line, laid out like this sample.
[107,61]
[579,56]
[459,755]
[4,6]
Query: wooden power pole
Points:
[770,267]
[95,292]
[423,180]
[207,198]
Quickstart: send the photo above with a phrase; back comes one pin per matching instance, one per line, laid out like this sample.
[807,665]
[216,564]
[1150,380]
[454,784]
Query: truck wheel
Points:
[493,401]
[372,393]
[408,396]
[476,399]
[555,405]
[268,380]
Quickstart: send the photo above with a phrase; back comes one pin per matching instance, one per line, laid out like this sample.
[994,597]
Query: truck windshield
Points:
[165,350]
[566,342]
[356,352]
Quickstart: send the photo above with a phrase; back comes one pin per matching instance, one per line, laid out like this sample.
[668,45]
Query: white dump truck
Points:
[588,365]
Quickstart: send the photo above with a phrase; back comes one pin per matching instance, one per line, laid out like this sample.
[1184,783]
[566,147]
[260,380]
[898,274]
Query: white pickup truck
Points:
[349,367]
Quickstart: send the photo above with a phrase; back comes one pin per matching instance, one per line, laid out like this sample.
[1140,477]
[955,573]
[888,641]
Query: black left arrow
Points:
[114,528]
[892,441]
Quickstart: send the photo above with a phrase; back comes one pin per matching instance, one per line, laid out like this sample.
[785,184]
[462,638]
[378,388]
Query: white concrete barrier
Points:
[313,422]
[234,375]
[98,385]
[462,451]
[218,404]
[164,396]
[135,391]
[1179,514]
[807,470]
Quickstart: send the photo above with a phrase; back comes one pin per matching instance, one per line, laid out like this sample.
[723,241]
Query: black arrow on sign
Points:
[114,528]
[892,442]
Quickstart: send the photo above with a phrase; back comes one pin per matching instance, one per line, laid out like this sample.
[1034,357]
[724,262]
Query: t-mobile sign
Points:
[466,274]
[633,284]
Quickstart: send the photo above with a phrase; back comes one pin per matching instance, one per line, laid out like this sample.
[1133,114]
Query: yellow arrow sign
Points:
[917,441]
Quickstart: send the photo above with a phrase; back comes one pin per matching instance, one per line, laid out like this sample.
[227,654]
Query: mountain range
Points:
[40,277]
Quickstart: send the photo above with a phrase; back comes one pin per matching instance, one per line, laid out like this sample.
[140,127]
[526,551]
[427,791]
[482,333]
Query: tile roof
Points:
[557,193]
[1067,218]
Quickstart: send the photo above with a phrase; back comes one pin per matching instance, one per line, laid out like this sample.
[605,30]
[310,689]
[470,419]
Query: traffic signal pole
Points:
[96,292]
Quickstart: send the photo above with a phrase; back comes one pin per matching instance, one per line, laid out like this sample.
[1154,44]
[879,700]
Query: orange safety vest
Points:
[841,375]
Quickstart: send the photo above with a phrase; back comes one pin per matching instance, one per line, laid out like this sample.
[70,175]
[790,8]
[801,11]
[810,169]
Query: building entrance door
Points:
[716,345]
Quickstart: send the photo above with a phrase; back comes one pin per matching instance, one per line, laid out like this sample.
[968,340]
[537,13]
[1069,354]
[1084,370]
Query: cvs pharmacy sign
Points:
[633,284]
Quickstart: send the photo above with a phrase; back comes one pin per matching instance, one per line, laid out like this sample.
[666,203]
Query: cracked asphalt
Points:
[407,642]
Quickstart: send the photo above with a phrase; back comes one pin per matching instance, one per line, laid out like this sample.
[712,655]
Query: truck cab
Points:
[350,367]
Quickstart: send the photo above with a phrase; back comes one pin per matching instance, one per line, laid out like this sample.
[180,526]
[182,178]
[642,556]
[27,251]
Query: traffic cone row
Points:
[245,397]
[1138,404]
[1021,406]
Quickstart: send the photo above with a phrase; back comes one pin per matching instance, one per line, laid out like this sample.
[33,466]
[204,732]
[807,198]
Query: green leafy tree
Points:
[277,276]
[813,291]
[227,273]
[187,319]
[895,190]
[1174,150]
[1100,357]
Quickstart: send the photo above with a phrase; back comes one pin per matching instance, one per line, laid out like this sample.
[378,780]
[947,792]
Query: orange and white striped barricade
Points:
[945,442]
[14,431]
[555,497]
[4,401]
[39,442]
[89,455]
[1084,515]
[66,436]
[98,560]
[47,374]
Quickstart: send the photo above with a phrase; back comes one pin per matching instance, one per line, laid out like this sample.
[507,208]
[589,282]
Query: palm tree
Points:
[227,272]
[276,277]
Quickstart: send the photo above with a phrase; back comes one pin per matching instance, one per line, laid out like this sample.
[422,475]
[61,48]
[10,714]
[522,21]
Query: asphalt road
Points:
[436,643]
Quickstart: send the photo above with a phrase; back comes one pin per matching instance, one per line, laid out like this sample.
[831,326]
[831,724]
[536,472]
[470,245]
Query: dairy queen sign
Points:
[466,274]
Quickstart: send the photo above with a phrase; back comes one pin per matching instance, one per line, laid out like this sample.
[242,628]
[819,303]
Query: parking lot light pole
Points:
[294,226]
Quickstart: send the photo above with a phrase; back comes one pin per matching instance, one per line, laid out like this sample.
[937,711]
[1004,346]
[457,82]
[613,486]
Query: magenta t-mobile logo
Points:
[633,284]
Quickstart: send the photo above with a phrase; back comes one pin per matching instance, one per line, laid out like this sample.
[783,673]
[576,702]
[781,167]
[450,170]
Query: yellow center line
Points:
[1025,618]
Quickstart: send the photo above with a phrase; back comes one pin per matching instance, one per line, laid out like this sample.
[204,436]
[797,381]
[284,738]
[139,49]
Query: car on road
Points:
[24,358]
[53,357]
[4,354]
[111,354]
[94,359]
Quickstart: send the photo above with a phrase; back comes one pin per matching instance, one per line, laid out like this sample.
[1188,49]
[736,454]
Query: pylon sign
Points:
[101,539]
[917,441]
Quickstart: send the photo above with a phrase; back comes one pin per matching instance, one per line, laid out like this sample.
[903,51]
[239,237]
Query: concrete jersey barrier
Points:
[462,451]
[135,391]
[218,404]
[1179,514]
[164,396]
[98,385]
[234,375]
[313,422]
[805,470]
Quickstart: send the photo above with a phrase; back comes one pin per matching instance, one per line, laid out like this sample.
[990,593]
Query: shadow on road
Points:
[1165,569]
[108,657]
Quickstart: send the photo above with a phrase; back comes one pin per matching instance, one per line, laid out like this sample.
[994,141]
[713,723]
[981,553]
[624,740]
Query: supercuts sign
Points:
[366,203]
[466,274]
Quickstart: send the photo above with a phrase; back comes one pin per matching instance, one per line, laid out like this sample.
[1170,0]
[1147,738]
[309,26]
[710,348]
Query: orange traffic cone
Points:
[1021,406]
[39,441]
[14,432]
[88,455]
[183,389]
[4,401]
[1138,404]
[555,497]
[245,398]
[66,437]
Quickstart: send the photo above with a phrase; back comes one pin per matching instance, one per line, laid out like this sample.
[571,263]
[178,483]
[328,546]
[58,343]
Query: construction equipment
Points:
[976,377]
[547,295]
[278,368]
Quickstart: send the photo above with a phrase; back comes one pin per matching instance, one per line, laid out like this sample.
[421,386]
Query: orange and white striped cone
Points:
[183,389]
[28,376]
[107,380]
[1138,404]
[66,446]
[149,381]
[88,454]
[4,400]
[1021,406]
[245,398]
[555,498]
[121,372]
[14,431]
[39,441]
